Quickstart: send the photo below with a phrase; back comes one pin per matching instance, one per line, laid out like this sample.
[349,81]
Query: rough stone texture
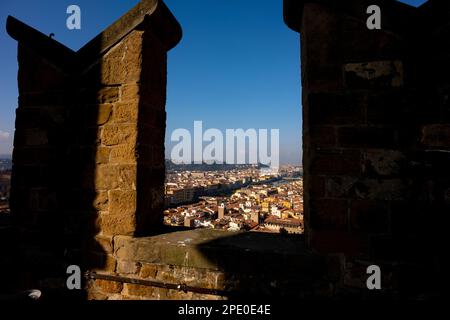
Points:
[236,264]
[375,139]
[83,121]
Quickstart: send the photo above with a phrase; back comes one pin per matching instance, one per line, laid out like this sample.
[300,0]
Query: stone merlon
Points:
[403,13]
[153,12]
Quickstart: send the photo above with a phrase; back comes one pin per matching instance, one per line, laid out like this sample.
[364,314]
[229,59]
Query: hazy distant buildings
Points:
[265,204]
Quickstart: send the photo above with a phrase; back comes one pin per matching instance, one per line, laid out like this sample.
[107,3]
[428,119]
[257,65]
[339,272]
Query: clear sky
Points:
[238,65]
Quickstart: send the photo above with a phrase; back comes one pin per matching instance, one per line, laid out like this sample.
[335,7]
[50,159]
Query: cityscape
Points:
[232,198]
[239,198]
[5,184]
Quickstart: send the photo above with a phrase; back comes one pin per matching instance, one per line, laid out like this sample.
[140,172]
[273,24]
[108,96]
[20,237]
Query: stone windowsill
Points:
[221,250]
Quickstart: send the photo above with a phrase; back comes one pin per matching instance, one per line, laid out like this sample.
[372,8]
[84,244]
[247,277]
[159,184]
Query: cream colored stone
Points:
[119,134]
[122,64]
[128,267]
[123,154]
[126,112]
[149,271]
[118,224]
[129,92]
[102,155]
[104,112]
[107,286]
[122,202]
[139,290]
[109,177]
[101,201]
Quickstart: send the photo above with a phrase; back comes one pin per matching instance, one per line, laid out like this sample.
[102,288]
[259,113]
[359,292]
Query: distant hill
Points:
[170,166]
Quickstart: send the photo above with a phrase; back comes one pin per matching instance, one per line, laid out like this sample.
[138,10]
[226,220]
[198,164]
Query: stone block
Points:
[126,112]
[366,137]
[128,267]
[122,202]
[335,162]
[383,162]
[107,286]
[130,92]
[437,136]
[119,134]
[140,290]
[118,224]
[340,187]
[329,214]
[321,136]
[102,155]
[101,201]
[149,271]
[374,74]
[339,241]
[123,154]
[109,177]
[335,109]
[369,216]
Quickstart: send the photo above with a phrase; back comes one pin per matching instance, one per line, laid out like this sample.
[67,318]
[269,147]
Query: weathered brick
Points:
[102,155]
[340,187]
[28,118]
[108,177]
[107,286]
[383,162]
[316,186]
[322,136]
[118,224]
[148,271]
[101,201]
[129,92]
[126,112]
[366,137]
[386,189]
[336,162]
[140,290]
[122,202]
[98,114]
[128,267]
[123,154]
[100,96]
[335,109]
[337,241]
[436,136]
[369,216]
[328,214]
[375,74]
[119,134]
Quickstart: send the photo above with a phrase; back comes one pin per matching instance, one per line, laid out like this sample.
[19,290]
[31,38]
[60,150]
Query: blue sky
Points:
[238,65]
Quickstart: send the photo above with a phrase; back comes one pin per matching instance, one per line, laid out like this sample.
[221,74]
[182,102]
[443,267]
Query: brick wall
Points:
[376,138]
[88,161]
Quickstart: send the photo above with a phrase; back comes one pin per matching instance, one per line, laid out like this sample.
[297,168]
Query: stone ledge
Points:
[219,263]
[243,252]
